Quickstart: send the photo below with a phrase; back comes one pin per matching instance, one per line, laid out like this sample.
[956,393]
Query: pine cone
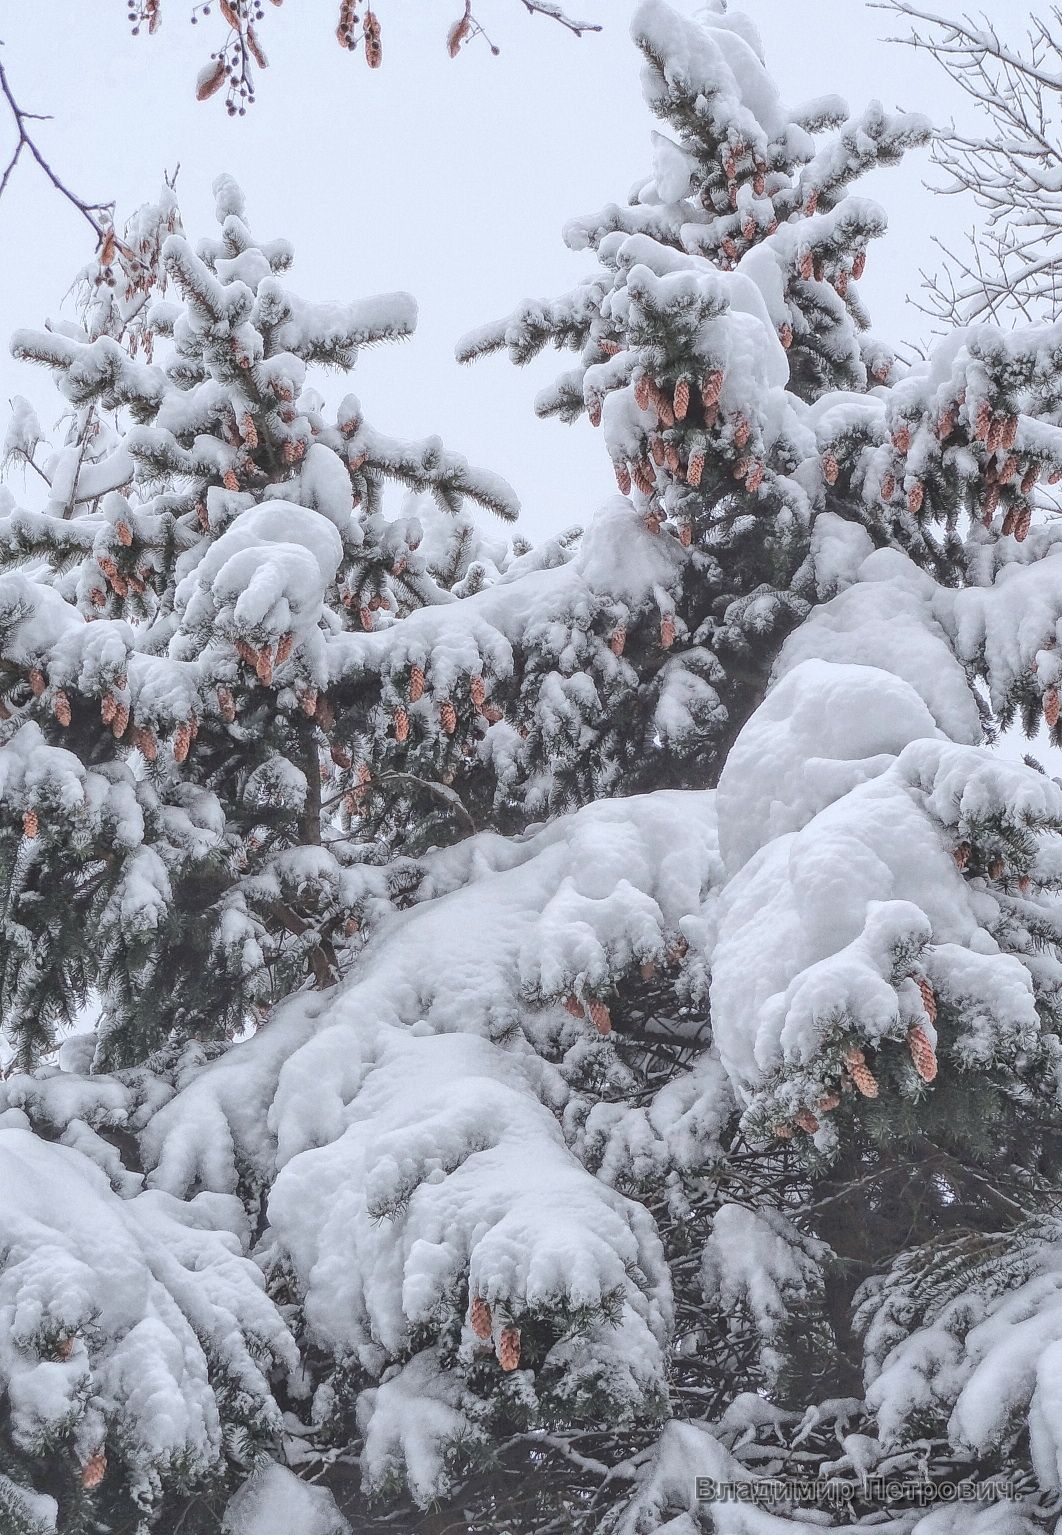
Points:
[448,716]
[782,1132]
[308,702]
[246,652]
[600,1017]
[617,640]
[227,705]
[742,432]
[1008,469]
[1022,524]
[642,393]
[807,266]
[807,1122]
[830,468]
[229,480]
[61,707]
[146,745]
[667,631]
[922,1052]
[1029,478]
[248,431]
[365,617]
[37,681]
[182,741]
[785,335]
[1051,707]
[623,479]
[915,497]
[1008,432]
[416,684]
[642,475]
[323,712]
[202,516]
[263,665]
[754,478]
[480,1318]
[594,412]
[657,451]
[108,708]
[995,434]
[864,1079]
[983,421]
[888,486]
[682,399]
[812,203]
[686,533]
[647,969]
[901,438]
[989,504]
[1008,523]
[477,691]
[929,1001]
[285,645]
[401,723]
[94,1470]
[509,1348]
[120,723]
[712,388]
[859,264]
[961,855]
[125,533]
[946,423]
[30,824]
[695,467]
[573,1005]
[828,1102]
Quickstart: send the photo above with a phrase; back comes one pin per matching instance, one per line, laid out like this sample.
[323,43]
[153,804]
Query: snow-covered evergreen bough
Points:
[667,1082]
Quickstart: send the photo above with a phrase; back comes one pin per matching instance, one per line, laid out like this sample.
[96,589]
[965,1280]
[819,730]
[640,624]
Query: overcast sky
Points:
[449,179]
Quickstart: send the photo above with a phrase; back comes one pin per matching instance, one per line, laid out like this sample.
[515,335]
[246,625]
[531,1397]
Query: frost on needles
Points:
[573,1020]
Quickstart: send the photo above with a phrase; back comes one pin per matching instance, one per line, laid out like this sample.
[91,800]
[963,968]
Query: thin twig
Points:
[98,215]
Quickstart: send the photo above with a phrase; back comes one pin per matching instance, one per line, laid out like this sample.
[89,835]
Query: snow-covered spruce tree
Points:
[172,771]
[688,1134]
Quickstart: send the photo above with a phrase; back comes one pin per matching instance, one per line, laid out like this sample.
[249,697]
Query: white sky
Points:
[449,179]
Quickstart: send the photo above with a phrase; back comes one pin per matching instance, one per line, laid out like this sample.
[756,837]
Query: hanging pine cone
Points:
[623,479]
[600,1017]
[125,533]
[37,681]
[922,1053]
[416,684]
[828,1102]
[807,266]
[248,431]
[401,724]
[995,434]
[1008,432]
[712,388]
[263,665]
[671,458]
[983,421]
[448,716]
[686,533]
[667,631]
[840,282]
[61,707]
[146,744]
[782,1132]
[1008,523]
[695,467]
[888,486]
[182,741]
[742,432]
[946,423]
[807,1122]
[642,475]
[573,1005]
[120,723]
[108,708]
[915,496]
[653,519]
[830,468]
[618,639]
[477,691]
[859,1071]
[759,182]
[1022,524]
[647,969]
[94,1470]
[285,645]
[989,504]
[226,705]
[365,617]
[754,478]
[308,701]
[1029,478]
[657,451]
[785,335]
[246,652]
[480,1318]
[1008,468]
[340,756]
[961,854]
[812,202]
[859,264]
[901,438]
[30,824]
[509,1348]
[682,399]
[929,1001]
[642,392]
[748,228]
[1051,707]
[229,480]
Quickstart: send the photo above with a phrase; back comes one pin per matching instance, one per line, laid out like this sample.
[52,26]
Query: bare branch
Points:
[97,214]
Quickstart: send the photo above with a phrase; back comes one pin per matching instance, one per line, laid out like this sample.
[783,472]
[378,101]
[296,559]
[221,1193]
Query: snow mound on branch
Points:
[274,1501]
[149,1298]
